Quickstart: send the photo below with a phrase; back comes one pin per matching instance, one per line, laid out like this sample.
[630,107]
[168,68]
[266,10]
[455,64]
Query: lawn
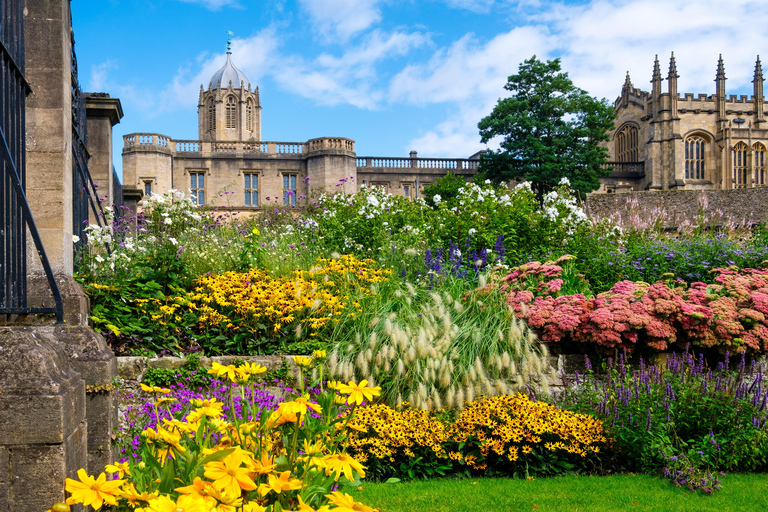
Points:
[641,493]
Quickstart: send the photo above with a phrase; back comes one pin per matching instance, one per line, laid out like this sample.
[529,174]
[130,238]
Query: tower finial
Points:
[656,69]
[627,81]
[720,68]
[229,41]
[758,70]
[672,67]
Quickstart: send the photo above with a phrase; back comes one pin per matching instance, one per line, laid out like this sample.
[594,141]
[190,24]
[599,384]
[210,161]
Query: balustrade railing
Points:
[626,168]
[187,146]
[373,162]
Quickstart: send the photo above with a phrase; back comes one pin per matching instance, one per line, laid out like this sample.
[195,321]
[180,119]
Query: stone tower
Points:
[229,110]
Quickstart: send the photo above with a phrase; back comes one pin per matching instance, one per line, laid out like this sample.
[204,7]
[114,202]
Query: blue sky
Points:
[395,75]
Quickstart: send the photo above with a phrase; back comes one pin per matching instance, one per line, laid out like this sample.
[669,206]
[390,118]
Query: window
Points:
[407,191]
[147,188]
[365,183]
[759,164]
[231,113]
[251,189]
[626,144]
[197,186]
[740,166]
[211,116]
[289,189]
[249,116]
[695,147]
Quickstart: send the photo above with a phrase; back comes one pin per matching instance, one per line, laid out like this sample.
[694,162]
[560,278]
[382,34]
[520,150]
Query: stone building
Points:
[667,140]
[230,156]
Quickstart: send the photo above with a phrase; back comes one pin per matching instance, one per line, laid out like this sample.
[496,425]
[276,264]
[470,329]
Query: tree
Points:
[551,129]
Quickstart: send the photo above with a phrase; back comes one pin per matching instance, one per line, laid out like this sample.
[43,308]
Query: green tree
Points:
[551,130]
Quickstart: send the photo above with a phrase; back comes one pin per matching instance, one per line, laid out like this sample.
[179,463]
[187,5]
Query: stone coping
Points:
[134,368]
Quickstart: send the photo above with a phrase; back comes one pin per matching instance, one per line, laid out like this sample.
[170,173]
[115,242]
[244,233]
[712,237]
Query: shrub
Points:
[517,436]
[714,417]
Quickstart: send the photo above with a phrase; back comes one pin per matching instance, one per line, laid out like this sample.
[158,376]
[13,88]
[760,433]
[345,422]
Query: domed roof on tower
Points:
[229,73]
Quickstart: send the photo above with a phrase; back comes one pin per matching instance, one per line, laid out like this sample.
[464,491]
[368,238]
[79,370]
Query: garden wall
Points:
[739,205]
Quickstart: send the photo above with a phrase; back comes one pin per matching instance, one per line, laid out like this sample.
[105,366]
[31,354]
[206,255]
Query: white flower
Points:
[173,241]
[168,221]
[487,182]
[99,258]
[436,199]
[75,239]
[472,231]
[564,181]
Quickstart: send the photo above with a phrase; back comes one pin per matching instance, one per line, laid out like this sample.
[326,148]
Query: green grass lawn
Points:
[641,493]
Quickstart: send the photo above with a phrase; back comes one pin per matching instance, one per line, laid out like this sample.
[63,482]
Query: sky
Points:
[395,75]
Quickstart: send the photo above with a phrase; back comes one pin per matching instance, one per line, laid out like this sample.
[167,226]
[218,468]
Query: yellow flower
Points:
[319,354]
[154,389]
[280,484]
[263,466]
[133,497]
[255,231]
[252,506]
[184,503]
[303,507]
[359,392]
[302,361]
[342,463]
[119,467]
[345,503]
[228,475]
[334,384]
[93,491]
[252,368]
[220,370]
[161,401]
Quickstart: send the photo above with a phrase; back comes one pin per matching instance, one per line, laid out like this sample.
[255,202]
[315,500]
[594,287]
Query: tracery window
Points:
[695,159]
[759,164]
[626,144]
[231,113]
[740,165]
[249,116]
[211,116]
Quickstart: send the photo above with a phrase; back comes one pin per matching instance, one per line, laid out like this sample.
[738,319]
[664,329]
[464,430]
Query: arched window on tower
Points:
[249,115]
[759,164]
[211,115]
[740,166]
[695,157]
[231,113]
[626,144]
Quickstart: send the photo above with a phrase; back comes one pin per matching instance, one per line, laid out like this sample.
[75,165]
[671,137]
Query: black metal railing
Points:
[15,214]
[85,198]
[117,194]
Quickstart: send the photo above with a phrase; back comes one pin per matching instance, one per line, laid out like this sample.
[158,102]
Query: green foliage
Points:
[191,373]
[447,187]
[551,129]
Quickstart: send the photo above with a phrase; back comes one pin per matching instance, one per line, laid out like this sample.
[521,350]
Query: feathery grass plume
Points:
[400,367]
[458,307]
[373,340]
[387,366]
[388,327]
[379,361]
[437,404]
[544,384]
[460,400]
[505,359]
[482,281]
[472,374]
[335,255]
[333,361]
[374,321]
[298,331]
[369,354]
[470,394]
[422,391]
[512,369]
[450,396]
[391,352]
[398,293]
[360,361]
[445,379]
[411,289]
[316,305]
[399,401]
[411,252]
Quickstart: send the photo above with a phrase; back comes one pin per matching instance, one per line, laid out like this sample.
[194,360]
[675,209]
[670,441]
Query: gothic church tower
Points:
[229,110]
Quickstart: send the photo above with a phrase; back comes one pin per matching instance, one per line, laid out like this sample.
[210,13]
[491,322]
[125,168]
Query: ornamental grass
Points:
[204,459]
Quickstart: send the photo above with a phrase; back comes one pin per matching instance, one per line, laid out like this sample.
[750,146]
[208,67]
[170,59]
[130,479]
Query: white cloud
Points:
[479,6]
[352,77]
[342,18]
[98,80]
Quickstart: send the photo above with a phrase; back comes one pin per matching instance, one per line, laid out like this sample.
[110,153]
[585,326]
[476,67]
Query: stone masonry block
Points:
[42,399]
[4,465]
[102,422]
[131,368]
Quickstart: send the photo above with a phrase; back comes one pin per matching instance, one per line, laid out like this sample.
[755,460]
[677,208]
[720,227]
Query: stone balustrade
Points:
[277,149]
[373,163]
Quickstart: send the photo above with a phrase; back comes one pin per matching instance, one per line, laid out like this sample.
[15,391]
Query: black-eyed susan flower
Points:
[92,491]
[359,392]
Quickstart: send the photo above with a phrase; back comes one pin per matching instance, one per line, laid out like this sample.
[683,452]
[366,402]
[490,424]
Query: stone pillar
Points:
[49,131]
[42,419]
[331,160]
[49,426]
[102,113]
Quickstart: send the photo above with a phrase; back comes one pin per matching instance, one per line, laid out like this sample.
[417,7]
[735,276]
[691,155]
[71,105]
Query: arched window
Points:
[249,115]
[626,144]
[695,161]
[231,113]
[759,164]
[211,116]
[740,166]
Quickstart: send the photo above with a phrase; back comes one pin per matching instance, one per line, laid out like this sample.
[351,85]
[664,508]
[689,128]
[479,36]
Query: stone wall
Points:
[737,205]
